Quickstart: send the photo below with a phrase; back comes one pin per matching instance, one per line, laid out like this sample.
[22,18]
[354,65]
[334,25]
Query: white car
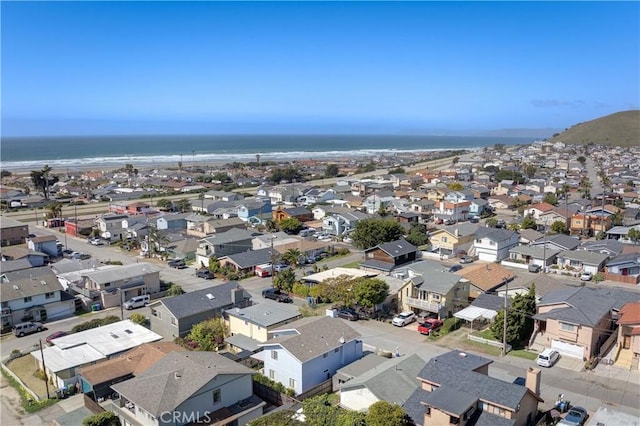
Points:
[403,319]
[547,358]
[586,276]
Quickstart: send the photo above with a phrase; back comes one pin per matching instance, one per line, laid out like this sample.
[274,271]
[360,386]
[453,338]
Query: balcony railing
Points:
[424,304]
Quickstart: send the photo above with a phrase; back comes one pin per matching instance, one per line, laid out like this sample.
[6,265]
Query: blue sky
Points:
[379,67]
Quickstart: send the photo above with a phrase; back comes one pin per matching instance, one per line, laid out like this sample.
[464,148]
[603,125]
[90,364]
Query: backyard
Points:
[25,367]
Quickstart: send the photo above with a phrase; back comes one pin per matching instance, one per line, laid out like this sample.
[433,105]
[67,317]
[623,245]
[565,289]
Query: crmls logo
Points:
[181,417]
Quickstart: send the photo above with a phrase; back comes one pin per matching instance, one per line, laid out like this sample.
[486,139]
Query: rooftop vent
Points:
[128,331]
[115,336]
[210,296]
[15,287]
[176,375]
[43,282]
[462,355]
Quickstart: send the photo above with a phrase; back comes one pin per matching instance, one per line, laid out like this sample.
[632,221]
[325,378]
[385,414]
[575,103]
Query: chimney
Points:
[237,295]
[456,232]
[532,381]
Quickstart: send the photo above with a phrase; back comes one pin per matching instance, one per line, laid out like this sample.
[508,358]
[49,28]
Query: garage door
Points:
[568,349]
[487,257]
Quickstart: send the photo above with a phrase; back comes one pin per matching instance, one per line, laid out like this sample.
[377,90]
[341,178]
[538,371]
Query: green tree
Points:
[634,235]
[280,418]
[105,418]
[319,411]
[509,175]
[519,319]
[383,413]
[418,235]
[183,205]
[290,225]
[164,204]
[455,186]
[550,198]
[209,334]
[530,170]
[138,319]
[371,232]
[332,170]
[351,418]
[559,227]
[292,256]
[397,171]
[55,210]
[214,264]
[582,160]
[284,280]
[174,290]
[528,223]
[45,180]
[492,222]
[370,291]
[288,174]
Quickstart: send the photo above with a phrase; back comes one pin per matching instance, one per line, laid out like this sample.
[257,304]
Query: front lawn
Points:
[522,353]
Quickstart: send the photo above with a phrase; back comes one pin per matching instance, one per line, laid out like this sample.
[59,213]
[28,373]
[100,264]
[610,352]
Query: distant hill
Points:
[618,129]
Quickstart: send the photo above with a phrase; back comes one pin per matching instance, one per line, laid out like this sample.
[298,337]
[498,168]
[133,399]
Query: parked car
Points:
[424,316]
[431,324]
[177,263]
[277,295]
[466,259]
[547,358]
[28,327]
[403,319]
[137,302]
[205,273]
[455,268]
[55,336]
[80,256]
[534,268]
[281,267]
[586,276]
[348,314]
[96,241]
[576,416]
[474,219]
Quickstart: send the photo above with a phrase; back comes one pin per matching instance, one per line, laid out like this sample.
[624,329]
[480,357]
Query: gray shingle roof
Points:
[394,381]
[230,236]
[450,400]
[121,273]
[490,301]
[174,379]
[28,282]
[194,302]
[537,252]
[250,258]
[317,335]
[398,248]
[584,256]
[494,234]
[433,277]
[266,314]
[560,240]
[586,305]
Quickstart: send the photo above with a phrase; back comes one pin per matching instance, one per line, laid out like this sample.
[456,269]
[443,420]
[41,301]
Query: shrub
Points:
[106,418]
[94,323]
[301,290]
[39,374]
[450,324]
[138,319]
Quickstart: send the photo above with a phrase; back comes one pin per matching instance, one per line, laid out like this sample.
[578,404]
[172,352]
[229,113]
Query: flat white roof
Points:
[109,339]
[472,313]
[57,359]
[336,272]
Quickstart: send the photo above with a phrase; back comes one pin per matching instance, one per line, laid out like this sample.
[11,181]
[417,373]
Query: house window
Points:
[492,243]
[292,383]
[454,420]
[27,299]
[478,241]
[500,411]
[217,396]
[567,327]
[272,374]
[156,313]
[107,284]
[324,355]
[336,350]
[274,354]
[427,411]
[174,321]
[48,295]
[443,239]
[435,297]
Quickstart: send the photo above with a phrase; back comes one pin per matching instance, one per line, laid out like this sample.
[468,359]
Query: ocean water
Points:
[68,152]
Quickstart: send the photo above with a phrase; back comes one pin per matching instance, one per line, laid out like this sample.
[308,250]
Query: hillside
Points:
[619,129]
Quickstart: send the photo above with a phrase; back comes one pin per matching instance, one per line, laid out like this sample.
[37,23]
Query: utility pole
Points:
[44,369]
[273,266]
[504,327]
[121,304]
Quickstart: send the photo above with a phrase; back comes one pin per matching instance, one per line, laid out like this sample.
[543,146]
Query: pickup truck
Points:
[277,295]
[431,324]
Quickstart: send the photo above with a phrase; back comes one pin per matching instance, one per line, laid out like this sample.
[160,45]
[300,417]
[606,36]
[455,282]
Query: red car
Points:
[431,324]
[55,336]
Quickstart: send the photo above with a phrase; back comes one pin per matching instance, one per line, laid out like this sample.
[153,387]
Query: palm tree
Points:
[292,256]
[55,210]
[45,176]
[586,187]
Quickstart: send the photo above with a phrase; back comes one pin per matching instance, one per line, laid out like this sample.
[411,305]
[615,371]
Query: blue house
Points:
[255,210]
[478,206]
[308,352]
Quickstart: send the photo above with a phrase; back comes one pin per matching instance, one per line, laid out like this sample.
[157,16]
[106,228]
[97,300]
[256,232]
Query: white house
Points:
[493,244]
[307,352]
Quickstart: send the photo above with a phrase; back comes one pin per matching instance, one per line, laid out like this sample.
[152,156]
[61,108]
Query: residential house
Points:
[537,210]
[377,201]
[557,242]
[485,278]
[250,326]
[621,233]
[424,208]
[115,284]
[33,294]
[611,248]
[246,262]
[188,387]
[628,349]
[223,195]
[110,226]
[624,268]
[223,244]
[176,221]
[35,258]
[300,213]
[254,211]
[177,246]
[63,360]
[459,196]
[452,240]
[577,321]
[213,225]
[317,195]
[388,256]
[174,316]
[342,221]
[493,244]
[455,388]
[557,214]
[47,244]
[308,352]
[392,381]
[523,256]
[449,210]
[581,261]
[431,288]
[96,379]
[527,236]
[12,232]
[483,309]
[478,206]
